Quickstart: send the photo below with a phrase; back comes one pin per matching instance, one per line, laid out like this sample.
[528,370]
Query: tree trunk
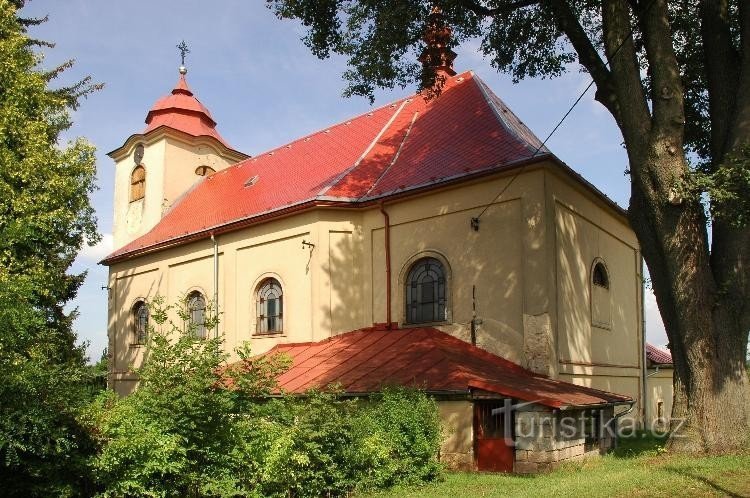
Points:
[707,339]
[711,411]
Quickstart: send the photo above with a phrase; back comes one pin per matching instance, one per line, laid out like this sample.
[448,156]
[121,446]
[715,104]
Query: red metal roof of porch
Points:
[367,360]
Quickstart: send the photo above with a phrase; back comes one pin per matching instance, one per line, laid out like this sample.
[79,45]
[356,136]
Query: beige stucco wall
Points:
[604,353]
[524,261]
[491,259]
[170,160]
[457,449]
[659,389]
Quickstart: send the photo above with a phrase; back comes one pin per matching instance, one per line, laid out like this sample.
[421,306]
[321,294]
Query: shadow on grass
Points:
[704,480]
[640,444]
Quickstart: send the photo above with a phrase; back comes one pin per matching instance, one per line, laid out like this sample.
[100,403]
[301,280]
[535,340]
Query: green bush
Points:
[323,444]
[200,426]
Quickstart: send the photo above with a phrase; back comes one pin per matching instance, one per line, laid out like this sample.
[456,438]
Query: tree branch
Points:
[739,134]
[588,56]
[635,117]
[481,10]
[666,83]
[722,75]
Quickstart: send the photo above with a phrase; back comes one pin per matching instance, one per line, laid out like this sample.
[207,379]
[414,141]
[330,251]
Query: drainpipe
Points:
[644,392]
[474,320]
[216,278]
[617,420]
[387,227]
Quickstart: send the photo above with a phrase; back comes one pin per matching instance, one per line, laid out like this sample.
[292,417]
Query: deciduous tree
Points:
[675,76]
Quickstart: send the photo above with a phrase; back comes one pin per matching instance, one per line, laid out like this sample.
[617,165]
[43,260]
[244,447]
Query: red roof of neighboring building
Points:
[366,360]
[658,356]
[409,144]
[181,111]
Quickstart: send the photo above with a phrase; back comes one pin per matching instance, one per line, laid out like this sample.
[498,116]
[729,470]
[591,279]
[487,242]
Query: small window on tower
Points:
[204,170]
[137,183]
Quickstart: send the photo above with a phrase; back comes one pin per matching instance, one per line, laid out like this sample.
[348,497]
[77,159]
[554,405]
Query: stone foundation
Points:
[545,440]
[458,461]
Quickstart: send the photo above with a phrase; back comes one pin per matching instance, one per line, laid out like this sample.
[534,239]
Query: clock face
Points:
[138,155]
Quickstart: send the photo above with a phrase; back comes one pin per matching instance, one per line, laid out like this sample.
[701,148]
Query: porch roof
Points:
[366,360]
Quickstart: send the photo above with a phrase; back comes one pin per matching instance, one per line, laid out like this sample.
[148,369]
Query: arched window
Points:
[270,307]
[204,170]
[601,304]
[140,322]
[196,305]
[425,292]
[137,183]
[599,275]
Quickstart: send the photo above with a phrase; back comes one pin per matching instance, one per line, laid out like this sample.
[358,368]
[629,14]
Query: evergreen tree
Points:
[45,218]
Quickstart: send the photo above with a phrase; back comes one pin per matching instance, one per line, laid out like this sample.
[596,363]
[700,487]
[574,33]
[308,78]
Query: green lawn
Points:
[638,468]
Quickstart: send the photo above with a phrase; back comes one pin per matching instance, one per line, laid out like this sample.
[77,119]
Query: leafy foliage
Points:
[45,217]
[327,445]
[199,425]
[728,186]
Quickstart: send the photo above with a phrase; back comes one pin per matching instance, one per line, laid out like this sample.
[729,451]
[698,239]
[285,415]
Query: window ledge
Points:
[137,346]
[602,325]
[268,336]
[424,324]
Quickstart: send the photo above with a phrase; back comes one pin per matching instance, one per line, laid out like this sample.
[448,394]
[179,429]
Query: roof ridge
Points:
[488,97]
[317,132]
[369,148]
[395,157]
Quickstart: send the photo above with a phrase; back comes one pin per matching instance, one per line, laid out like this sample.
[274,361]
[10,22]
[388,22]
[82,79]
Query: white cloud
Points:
[97,252]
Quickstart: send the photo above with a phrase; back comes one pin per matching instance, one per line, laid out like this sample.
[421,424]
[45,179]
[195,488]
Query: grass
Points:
[639,467]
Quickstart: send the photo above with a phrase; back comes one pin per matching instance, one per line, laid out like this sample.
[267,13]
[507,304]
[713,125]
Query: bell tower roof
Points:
[181,111]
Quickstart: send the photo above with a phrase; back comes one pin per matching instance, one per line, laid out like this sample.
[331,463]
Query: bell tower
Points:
[179,147]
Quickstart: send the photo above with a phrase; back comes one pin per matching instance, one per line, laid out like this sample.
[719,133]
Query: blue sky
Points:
[264,88]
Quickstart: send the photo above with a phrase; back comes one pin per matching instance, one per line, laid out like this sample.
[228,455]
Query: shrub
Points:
[323,444]
[198,426]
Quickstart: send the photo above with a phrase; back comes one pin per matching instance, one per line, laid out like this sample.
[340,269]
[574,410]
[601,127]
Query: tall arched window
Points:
[425,292]
[140,322]
[601,304]
[270,307]
[137,183]
[196,304]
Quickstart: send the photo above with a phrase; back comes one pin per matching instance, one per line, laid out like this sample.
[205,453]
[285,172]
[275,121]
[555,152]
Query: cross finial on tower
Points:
[184,50]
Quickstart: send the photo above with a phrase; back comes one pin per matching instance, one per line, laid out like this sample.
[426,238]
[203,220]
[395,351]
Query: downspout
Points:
[617,420]
[216,279]
[644,391]
[387,228]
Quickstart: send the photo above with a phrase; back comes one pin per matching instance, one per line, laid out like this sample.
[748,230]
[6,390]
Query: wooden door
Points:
[493,443]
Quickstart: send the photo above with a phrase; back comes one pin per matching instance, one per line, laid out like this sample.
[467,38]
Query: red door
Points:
[493,443]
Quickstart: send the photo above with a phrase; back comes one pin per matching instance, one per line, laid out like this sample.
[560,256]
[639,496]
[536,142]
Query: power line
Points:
[475,220]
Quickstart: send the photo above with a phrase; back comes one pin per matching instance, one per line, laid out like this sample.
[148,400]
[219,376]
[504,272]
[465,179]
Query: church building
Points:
[432,243]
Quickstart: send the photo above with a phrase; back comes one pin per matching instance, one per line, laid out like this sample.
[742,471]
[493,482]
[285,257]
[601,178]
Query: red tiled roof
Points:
[181,111]
[406,145]
[658,356]
[366,360]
